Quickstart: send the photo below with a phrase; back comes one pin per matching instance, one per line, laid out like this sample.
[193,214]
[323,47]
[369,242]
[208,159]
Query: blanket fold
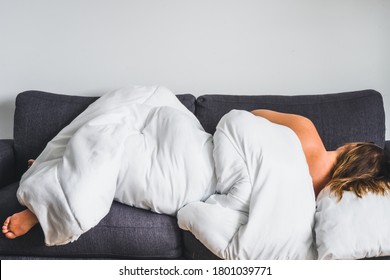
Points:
[264,203]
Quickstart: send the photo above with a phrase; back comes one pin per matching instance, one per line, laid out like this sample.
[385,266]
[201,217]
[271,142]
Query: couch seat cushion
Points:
[126,232]
[194,249]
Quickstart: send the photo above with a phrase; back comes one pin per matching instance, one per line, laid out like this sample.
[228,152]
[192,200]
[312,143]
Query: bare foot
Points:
[19,224]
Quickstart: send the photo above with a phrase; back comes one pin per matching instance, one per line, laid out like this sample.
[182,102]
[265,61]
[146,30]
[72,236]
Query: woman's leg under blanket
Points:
[71,194]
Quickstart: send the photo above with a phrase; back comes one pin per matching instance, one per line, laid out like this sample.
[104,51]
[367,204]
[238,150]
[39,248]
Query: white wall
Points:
[87,47]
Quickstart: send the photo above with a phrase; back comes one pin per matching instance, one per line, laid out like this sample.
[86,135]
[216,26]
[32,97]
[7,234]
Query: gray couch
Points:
[130,233]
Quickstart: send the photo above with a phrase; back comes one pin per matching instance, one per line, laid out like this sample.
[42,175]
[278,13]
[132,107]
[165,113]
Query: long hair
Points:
[361,167]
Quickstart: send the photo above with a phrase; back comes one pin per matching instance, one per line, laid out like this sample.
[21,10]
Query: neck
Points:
[332,157]
[328,162]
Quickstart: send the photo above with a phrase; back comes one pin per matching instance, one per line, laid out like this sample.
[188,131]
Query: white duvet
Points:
[264,203]
[139,146]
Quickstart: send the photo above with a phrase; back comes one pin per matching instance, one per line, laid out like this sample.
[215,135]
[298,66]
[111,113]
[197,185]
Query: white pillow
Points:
[352,228]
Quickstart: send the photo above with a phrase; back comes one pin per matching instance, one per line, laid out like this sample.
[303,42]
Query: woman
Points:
[358,167]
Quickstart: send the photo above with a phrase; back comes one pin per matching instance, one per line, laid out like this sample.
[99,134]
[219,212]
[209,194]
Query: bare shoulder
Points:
[311,142]
[303,127]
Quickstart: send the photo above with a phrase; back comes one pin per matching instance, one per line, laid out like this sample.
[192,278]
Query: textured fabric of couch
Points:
[127,232]
[339,118]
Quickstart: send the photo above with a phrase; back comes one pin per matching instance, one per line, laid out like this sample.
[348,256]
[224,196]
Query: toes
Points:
[10,235]
[5,228]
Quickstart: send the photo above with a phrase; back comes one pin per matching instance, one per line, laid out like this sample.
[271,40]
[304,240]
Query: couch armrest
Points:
[387,145]
[7,162]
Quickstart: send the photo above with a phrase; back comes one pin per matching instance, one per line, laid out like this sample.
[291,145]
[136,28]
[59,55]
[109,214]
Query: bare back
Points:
[319,160]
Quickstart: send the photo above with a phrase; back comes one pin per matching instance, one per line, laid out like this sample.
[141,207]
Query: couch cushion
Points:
[194,249]
[39,116]
[7,162]
[126,232]
[340,118]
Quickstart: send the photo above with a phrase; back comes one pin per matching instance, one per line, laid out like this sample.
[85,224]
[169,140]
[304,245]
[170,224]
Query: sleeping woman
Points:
[358,167]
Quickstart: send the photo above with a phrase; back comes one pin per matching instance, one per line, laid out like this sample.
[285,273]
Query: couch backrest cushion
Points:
[39,116]
[340,118]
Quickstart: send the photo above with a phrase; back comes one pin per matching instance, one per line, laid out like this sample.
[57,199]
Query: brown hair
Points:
[361,167]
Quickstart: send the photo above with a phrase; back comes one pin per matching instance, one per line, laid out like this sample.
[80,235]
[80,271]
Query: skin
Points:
[19,224]
[319,160]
